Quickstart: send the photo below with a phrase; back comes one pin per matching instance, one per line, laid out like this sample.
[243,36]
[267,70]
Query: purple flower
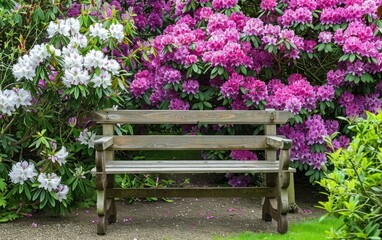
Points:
[238,180]
[268,5]
[178,104]
[232,86]
[190,86]
[325,37]
[243,155]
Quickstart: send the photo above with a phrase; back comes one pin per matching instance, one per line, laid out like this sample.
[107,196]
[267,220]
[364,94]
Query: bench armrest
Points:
[103,143]
[280,143]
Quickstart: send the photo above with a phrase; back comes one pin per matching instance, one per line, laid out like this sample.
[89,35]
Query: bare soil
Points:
[193,218]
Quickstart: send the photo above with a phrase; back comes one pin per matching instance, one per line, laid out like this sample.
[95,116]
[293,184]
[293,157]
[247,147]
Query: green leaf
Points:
[367,78]
[3,185]
[278,10]
[344,58]
[3,202]
[352,58]
[243,70]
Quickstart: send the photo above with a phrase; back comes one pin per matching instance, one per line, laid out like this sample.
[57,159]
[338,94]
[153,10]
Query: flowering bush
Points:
[301,56]
[43,112]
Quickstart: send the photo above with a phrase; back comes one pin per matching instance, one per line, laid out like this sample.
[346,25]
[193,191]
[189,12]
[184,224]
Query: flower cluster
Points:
[94,67]
[22,171]
[309,134]
[358,39]
[87,138]
[50,181]
[238,180]
[298,94]
[10,100]
[60,156]
[243,155]
[355,105]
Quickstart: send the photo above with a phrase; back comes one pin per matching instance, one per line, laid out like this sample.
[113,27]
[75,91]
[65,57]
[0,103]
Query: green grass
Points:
[309,229]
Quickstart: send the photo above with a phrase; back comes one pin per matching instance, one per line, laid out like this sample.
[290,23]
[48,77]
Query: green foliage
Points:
[308,229]
[144,181]
[354,188]
[58,115]
[6,206]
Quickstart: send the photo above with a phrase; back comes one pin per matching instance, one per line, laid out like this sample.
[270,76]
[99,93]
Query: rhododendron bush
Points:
[46,143]
[319,59]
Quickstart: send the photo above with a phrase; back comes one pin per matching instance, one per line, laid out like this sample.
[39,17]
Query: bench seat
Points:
[191,166]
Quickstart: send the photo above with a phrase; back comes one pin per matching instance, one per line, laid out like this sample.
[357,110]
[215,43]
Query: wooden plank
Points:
[191,163]
[175,162]
[121,167]
[189,142]
[103,143]
[191,116]
[190,170]
[193,192]
[278,142]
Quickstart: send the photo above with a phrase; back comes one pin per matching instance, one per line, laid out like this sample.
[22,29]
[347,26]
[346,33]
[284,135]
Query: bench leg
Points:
[267,210]
[112,211]
[101,212]
[291,192]
[282,203]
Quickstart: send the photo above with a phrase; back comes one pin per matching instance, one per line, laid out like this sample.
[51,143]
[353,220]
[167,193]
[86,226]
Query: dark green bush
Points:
[354,188]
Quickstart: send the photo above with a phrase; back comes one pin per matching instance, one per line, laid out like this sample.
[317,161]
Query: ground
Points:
[194,218]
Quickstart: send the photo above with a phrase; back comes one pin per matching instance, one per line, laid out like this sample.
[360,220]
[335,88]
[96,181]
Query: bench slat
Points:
[189,142]
[191,116]
[193,192]
[191,166]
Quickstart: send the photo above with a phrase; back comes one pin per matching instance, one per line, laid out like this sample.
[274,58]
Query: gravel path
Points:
[193,218]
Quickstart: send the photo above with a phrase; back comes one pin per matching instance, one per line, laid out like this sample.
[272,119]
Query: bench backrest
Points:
[267,117]
[191,142]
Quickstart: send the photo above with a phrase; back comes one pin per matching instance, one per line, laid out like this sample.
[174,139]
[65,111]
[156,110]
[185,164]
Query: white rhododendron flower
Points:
[97,30]
[60,156]
[87,138]
[10,100]
[104,79]
[22,97]
[68,49]
[22,171]
[73,60]
[52,29]
[75,76]
[66,27]
[61,192]
[79,40]
[94,59]
[112,66]
[117,32]
[49,181]
[24,68]
[38,54]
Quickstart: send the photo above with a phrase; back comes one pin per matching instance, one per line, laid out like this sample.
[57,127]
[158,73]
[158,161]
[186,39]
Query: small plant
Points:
[144,181]
[354,187]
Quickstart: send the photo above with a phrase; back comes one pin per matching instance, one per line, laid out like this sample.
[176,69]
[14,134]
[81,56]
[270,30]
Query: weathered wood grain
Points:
[189,142]
[279,143]
[191,116]
[103,143]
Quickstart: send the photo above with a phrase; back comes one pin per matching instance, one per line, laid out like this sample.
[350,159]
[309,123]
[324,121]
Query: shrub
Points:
[354,188]
[45,137]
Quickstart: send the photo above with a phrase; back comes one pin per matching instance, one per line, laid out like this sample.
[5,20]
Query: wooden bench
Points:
[277,172]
